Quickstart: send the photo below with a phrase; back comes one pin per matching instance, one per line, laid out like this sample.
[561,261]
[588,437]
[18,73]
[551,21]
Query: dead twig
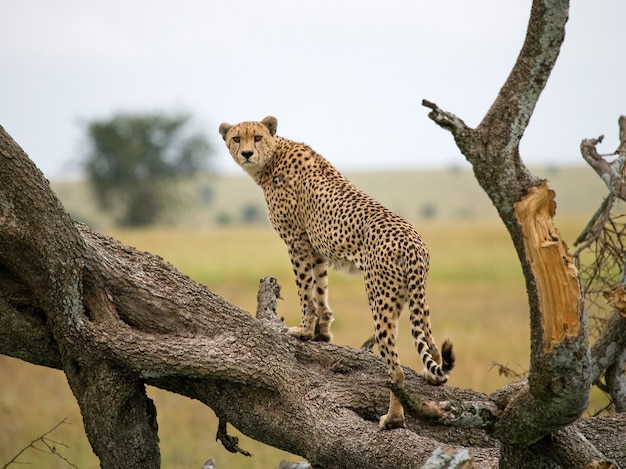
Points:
[231,443]
[506,371]
[49,444]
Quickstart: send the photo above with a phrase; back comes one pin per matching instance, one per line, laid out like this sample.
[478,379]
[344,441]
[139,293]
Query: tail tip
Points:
[447,356]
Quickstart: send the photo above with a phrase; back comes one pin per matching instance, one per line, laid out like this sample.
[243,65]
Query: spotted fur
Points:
[326,221]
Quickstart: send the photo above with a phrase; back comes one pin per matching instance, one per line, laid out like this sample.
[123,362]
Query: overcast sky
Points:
[345,76]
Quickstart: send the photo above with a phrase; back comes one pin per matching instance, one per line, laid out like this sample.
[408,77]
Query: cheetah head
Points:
[251,144]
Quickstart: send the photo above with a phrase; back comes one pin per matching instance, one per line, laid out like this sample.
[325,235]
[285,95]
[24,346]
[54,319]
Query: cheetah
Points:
[326,221]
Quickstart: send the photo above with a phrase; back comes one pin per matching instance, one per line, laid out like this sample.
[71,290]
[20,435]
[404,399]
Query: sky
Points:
[344,76]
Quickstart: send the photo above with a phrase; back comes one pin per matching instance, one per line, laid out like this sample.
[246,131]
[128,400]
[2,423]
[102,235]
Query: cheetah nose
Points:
[247,154]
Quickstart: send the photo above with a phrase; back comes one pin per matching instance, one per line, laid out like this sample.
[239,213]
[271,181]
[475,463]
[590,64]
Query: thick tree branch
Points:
[132,319]
[516,101]
[42,253]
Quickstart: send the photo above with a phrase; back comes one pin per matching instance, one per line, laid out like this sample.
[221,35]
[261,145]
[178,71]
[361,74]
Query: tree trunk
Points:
[560,378]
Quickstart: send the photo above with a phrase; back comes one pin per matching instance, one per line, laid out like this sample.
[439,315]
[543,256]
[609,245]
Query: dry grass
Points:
[476,294]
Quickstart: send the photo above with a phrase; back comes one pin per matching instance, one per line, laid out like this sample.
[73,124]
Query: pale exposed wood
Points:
[553,268]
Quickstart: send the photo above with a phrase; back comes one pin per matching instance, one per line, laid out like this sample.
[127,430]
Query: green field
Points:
[476,295]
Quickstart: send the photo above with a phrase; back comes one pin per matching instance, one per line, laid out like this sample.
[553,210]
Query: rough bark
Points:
[129,319]
[45,265]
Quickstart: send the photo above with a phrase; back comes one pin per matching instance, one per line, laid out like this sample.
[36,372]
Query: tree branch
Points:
[558,386]
[609,351]
[511,111]
[611,173]
[608,346]
[133,319]
[460,131]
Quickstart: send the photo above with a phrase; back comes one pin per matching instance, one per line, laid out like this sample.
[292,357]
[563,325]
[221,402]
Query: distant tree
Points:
[134,158]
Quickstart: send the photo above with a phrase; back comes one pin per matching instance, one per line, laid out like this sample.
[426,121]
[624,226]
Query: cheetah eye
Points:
[236,139]
[258,138]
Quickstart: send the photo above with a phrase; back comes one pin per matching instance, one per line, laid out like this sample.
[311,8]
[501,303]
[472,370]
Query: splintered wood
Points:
[556,276]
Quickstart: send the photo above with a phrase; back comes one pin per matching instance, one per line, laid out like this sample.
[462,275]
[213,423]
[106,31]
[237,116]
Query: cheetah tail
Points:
[447,356]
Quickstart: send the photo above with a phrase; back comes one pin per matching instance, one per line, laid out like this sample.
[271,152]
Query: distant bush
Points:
[252,213]
[465,213]
[428,211]
[207,195]
[224,218]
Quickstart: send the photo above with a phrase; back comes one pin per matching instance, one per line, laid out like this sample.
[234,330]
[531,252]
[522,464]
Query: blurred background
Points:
[118,103]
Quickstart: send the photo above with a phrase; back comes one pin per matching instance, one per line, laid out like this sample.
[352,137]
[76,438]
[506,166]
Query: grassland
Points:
[476,294]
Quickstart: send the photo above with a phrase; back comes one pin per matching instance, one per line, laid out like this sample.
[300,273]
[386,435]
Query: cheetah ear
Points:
[224,128]
[271,123]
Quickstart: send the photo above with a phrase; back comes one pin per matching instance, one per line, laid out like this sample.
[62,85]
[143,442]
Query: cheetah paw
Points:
[300,333]
[432,379]
[323,336]
[388,422]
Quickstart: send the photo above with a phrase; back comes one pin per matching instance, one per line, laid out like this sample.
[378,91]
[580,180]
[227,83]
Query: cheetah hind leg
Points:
[394,418]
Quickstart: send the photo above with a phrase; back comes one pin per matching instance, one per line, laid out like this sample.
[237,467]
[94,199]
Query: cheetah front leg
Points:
[311,274]
[319,292]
